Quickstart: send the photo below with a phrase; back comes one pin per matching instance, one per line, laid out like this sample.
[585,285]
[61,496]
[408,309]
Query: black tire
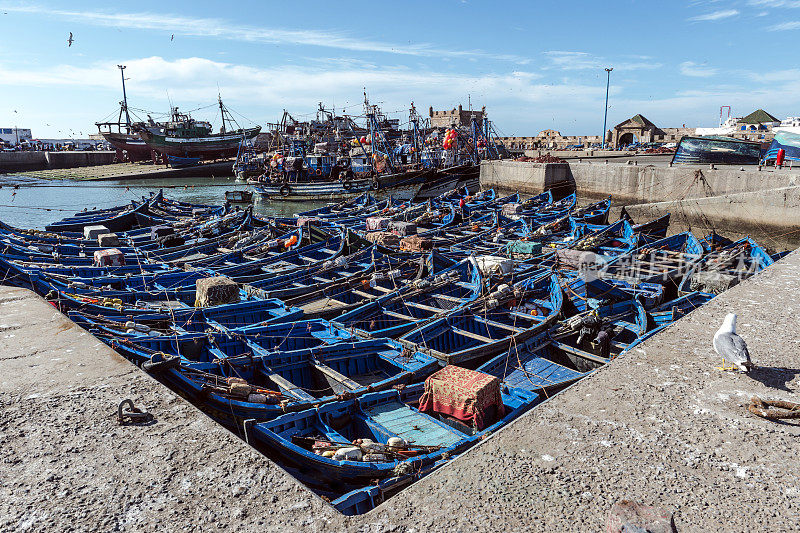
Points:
[347,185]
[375,185]
[285,190]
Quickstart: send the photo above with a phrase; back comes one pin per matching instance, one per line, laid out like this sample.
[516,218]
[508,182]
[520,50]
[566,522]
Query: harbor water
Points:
[33,203]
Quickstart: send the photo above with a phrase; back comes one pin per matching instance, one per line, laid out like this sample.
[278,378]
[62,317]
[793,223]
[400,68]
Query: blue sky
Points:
[535,65]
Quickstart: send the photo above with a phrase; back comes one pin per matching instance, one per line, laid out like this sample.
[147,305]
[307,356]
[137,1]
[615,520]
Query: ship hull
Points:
[334,191]
[214,146]
[136,148]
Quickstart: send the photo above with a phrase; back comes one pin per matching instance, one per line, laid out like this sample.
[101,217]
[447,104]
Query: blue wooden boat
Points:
[114,221]
[664,261]
[493,242]
[655,228]
[271,259]
[501,321]
[376,416]
[589,292]
[554,360]
[608,241]
[364,499]
[668,312]
[596,213]
[124,302]
[406,308]
[343,208]
[725,266]
[338,295]
[206,347]
[221,318]
[267,385]
[552,211]
[534,203]
[182,162]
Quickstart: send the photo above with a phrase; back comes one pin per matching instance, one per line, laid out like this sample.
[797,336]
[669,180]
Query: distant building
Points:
[549,140]
[758,120]
[15,135]
[790,122]
[757,126]
[636,129]
[458,117]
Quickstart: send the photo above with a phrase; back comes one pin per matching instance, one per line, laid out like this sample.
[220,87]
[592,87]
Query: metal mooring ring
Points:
[133,415]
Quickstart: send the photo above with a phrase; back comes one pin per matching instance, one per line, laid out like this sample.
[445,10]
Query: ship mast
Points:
[222,112]
[124,102]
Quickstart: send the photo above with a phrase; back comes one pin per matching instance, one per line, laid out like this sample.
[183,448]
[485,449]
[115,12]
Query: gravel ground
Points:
[660,426]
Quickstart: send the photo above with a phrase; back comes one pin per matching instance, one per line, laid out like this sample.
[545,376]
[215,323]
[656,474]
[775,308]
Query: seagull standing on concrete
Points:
[731,346]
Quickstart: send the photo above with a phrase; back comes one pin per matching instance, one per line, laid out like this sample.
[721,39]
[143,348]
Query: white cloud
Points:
[775,76]
[716,15]
[786,26]
[696,70]
[222,29]
[775,3]
[568,60]
[513,97]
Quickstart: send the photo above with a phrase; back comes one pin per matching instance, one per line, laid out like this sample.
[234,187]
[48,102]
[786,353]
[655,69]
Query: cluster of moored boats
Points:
[364,344]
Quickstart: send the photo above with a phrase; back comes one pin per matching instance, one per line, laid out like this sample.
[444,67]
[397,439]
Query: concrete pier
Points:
[660,426]
[526,177]
[638,183]
[736,200]
[23,161]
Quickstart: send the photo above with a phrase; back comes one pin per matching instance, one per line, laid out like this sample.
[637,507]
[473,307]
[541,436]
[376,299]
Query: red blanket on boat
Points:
[463,394]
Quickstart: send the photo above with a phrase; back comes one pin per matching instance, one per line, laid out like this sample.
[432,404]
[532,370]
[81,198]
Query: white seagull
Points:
[731,346]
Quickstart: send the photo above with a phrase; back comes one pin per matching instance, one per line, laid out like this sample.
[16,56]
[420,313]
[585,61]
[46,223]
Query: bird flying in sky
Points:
[731,346]
[70,40]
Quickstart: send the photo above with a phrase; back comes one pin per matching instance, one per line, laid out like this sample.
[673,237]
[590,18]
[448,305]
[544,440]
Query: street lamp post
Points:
[605,117]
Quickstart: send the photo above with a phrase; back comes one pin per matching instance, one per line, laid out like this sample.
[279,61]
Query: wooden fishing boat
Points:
[261,386]
[534,203]
[410,306]
[185,137]
[378,417]
[589,292]
[115,221]
[555,360]
[330,190]
[596,213]
[222,318]
[329,294]
[269,261]
[182,162]
[725,266]
[664,261]
[364,499]
[206,347]
[552,211]
[503,320]
[239,196]
[668,312]
[608,241]
[654,228]
[341,209]
[443,181]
